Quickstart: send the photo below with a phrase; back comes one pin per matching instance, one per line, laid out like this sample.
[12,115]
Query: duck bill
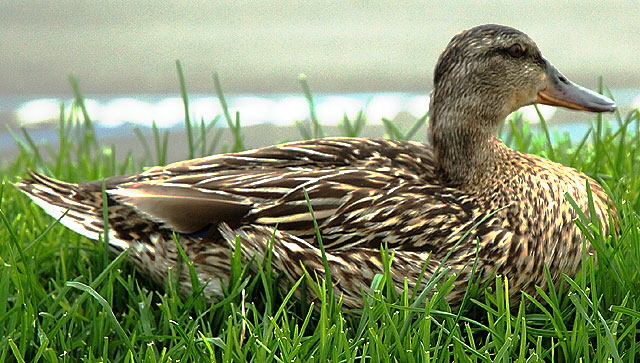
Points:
[559,91]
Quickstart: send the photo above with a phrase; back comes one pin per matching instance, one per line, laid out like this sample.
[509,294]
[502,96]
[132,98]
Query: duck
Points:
[464,202]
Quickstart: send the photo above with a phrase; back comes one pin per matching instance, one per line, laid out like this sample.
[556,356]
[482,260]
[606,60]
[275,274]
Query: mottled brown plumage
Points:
[467,195]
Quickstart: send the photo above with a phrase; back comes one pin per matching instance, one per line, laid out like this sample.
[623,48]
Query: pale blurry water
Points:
[116,115]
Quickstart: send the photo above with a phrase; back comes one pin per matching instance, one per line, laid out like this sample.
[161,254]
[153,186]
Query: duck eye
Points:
[516,50]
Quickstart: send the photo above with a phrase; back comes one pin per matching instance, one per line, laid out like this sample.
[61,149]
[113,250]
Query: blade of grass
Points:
[547,134]
[234,125]
[185,103]
[318,132]
[421,121]
[105,305]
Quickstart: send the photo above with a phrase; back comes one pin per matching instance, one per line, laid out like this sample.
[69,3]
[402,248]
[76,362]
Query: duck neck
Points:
[464,140]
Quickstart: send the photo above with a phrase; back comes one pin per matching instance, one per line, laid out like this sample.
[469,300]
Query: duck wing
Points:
[363,192]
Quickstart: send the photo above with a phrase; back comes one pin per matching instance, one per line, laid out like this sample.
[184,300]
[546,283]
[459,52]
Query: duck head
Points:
[484,74]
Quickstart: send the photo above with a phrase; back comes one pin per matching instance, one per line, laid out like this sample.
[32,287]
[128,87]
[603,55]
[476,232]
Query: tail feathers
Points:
[77,208]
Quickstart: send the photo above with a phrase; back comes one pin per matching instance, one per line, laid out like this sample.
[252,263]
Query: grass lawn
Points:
[64,298]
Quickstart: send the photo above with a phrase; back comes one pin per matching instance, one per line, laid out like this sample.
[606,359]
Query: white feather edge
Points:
[72,223]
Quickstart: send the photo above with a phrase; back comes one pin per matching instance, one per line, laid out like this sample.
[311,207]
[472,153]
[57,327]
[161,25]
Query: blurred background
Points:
[372,55]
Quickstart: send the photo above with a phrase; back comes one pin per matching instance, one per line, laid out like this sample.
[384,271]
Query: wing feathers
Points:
[183,208]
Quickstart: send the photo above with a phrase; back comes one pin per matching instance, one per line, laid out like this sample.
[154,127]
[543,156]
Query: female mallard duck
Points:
[464,200]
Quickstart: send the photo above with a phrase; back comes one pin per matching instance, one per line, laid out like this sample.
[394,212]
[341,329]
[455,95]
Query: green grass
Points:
[63,298]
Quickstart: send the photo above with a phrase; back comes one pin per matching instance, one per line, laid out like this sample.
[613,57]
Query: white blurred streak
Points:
[125,110]
[279,110]
[168,112]
[290,109]
[331,109]
[529,113]
[385,105]
[38,111]
[205,108]
[418,106]
[253,110]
